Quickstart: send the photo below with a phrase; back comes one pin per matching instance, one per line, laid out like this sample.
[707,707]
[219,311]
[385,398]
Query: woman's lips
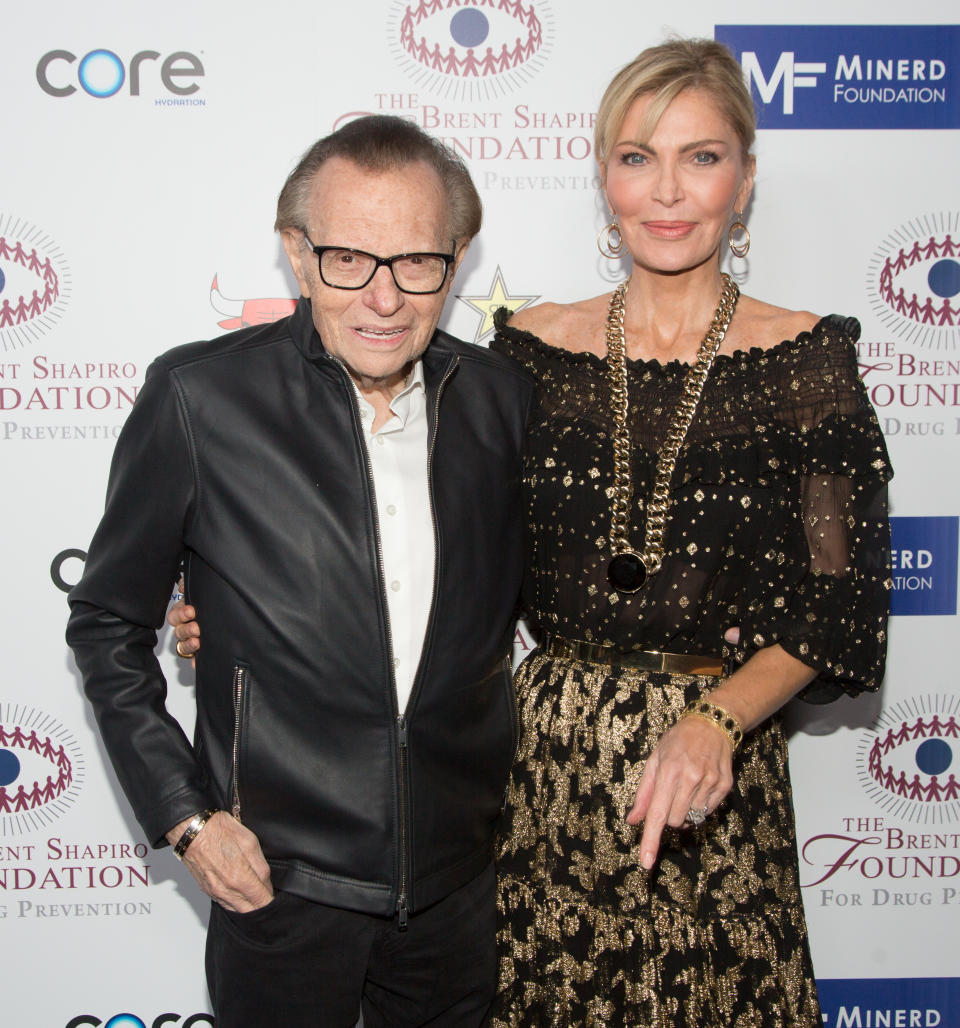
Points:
[669,229]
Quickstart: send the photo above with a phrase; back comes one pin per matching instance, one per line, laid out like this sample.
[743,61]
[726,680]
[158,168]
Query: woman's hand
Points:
[691,768]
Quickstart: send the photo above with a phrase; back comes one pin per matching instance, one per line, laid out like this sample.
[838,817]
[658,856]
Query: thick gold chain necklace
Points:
[628,570]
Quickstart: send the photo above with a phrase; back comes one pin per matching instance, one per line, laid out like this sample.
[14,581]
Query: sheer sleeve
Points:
[836,618]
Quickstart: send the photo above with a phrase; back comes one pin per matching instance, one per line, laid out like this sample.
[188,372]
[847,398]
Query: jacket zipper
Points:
[402,751]
[401,718]
[402,893]
[239,678]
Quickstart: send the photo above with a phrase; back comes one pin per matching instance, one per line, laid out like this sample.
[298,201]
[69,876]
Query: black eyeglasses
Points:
[344,268]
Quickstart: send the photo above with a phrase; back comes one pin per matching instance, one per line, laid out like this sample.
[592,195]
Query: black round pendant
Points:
[627,572]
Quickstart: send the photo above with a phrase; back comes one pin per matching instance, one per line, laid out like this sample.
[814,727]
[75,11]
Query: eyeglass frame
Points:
[381,262]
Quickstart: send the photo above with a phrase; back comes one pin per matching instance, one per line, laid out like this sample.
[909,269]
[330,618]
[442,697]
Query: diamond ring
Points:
[697,815]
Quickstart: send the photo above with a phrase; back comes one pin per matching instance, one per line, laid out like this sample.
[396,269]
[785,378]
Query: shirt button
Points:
[391,509]
[396,662]
[395,586]
[381,440]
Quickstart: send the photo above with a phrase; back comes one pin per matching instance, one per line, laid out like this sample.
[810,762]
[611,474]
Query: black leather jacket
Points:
[245,455]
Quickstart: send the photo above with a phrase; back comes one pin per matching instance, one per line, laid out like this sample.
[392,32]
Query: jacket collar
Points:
[437,359]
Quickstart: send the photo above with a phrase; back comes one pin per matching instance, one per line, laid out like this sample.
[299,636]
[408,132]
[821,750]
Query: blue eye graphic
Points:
[470,49]
[908,761]
[914,281]
[41,769]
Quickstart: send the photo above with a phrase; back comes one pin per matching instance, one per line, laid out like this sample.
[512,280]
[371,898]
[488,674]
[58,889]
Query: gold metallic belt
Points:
[642,660]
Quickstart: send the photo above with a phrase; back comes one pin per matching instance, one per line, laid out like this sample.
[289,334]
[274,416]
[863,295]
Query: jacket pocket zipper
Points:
[239,684]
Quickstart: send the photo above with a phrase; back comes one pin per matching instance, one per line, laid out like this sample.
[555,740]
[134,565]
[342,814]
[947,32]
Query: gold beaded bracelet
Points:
[191,832]
[718,717]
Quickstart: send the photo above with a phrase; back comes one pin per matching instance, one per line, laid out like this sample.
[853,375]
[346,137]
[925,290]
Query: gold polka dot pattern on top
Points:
[777,518]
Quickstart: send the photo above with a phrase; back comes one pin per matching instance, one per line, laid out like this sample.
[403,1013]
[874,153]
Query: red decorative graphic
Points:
[244,313]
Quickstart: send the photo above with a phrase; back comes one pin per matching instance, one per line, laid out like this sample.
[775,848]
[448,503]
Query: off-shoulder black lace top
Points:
[777,520]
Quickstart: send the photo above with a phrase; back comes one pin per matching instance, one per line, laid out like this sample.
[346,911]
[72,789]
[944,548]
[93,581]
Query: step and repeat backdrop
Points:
[144,146]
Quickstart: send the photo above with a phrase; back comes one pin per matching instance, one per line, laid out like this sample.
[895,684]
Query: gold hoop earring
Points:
[742,248]
[605,244]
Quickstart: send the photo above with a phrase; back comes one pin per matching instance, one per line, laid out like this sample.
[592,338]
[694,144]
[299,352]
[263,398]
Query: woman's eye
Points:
[705,157]
[633,158]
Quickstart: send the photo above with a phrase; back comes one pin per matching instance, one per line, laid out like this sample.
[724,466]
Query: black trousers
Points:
[299,964]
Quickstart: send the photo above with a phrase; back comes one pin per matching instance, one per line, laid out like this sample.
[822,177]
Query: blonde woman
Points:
[696,459]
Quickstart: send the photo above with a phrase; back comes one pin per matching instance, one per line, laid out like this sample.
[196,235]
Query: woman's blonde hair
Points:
[666,70]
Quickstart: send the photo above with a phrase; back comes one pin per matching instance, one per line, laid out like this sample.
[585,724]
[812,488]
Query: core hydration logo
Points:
[913,280]
[477,51]
[103,73]
[908,761]
[34,283]
[850,76]
[132,1021]
[924,565]
[41,769]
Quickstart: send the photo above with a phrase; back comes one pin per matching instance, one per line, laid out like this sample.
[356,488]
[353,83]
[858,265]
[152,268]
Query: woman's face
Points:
[674,196]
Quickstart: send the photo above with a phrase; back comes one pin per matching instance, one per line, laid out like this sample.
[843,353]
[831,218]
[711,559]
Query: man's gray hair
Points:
[380,142]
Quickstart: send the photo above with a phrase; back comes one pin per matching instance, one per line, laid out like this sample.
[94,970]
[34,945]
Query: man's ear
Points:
[459,252]
[294,246]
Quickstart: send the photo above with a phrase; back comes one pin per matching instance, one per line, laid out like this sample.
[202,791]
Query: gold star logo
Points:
[499,296]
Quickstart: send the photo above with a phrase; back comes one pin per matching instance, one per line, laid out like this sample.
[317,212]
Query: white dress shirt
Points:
[398,458]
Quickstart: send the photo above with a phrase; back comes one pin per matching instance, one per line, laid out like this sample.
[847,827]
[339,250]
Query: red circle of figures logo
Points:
[470,49]
[914,281]
[909,761]
[41,769]
[34,283]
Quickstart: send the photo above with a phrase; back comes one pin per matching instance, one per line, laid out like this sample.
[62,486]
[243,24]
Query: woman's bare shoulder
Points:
[763,325]
[570,326]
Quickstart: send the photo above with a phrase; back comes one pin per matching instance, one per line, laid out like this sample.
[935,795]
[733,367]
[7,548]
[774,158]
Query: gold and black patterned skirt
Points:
[713,936]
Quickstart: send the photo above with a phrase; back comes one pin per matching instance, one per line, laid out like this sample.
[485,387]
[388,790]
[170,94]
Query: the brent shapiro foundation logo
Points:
[34,283]
[41,769]
[908,762]
[474,50]
[913,281]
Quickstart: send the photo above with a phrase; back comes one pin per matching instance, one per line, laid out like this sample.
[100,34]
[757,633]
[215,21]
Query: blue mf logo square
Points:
[924,571]
[849,76]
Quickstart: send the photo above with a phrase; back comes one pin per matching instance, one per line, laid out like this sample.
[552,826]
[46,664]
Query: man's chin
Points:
[387,376]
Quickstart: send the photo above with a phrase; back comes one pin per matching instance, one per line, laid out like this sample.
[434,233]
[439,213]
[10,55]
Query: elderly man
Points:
[343,487]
